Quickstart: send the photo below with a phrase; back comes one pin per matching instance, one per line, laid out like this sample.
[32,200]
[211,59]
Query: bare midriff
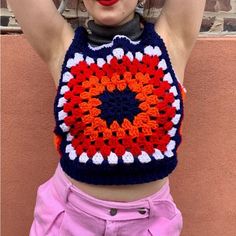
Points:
[121,193]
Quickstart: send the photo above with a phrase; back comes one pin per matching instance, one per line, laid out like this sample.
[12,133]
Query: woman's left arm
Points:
[180,22]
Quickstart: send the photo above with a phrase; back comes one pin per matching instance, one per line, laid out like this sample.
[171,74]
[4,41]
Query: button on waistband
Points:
[113,211]
[142,210]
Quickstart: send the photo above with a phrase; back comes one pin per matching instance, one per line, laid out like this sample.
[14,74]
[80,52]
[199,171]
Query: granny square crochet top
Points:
[118,110]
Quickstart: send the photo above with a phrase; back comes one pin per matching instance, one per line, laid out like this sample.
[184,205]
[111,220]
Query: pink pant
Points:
[64,210]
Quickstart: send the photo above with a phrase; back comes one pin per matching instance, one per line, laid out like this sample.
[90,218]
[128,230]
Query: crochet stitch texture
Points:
[118,110]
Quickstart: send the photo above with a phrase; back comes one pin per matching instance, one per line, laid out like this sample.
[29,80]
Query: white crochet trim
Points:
[64,89]
[70,63]
[118,53]
[130,56]
[72,155]
[139,56]
[172,132]
[176,119]
[67,76]
[176,104]
[158,154]
[173,90]
[69,148]
[149,50]
[61,102]
[69,137]
[97,158]
[168,153]
[157,51]
[112,158]
[171,145]
[162,64]
[83,157]
[128,157]
[109,57]
[144,157]
[78,58]
[61,115]
[100,62]
[108,45]
[89,60]
[167,77]
[64,127]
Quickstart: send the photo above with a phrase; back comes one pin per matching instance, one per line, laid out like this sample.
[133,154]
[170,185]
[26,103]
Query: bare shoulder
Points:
[56,61]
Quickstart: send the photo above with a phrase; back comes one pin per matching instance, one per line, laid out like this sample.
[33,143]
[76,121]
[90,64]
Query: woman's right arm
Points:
[43,26]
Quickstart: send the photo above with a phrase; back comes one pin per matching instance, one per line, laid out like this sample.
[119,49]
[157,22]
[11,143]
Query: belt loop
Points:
[151,207]
[67,192]
[162,208]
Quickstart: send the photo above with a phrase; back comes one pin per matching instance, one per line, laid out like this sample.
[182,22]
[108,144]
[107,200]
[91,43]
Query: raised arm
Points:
[42,25]
[180,22]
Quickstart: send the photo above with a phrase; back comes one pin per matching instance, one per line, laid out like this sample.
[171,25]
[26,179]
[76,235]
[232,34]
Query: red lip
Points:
[107,2]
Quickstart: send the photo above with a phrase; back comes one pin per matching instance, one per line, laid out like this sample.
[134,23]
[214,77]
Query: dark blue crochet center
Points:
[118,105]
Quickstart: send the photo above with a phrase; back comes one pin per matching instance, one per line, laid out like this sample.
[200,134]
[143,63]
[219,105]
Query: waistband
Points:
[160,203]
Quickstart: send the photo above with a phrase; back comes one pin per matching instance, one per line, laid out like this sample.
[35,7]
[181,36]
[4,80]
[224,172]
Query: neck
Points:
[101,34]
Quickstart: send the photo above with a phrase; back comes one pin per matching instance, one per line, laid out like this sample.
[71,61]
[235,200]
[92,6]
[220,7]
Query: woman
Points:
[118,112]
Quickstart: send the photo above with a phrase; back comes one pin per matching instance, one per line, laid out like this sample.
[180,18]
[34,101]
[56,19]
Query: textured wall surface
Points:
[203,184]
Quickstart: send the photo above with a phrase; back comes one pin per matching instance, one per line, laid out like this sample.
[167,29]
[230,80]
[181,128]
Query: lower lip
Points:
[107,2]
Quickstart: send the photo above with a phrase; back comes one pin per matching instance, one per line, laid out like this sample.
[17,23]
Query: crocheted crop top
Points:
[118,110]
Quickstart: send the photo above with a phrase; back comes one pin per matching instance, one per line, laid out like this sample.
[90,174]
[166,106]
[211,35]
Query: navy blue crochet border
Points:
[119,174]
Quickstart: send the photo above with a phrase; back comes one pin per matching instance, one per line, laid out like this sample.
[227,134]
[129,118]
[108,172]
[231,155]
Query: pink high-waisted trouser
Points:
[64,210]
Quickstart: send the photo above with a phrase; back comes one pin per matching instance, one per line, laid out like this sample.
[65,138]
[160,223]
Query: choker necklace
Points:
[102,34]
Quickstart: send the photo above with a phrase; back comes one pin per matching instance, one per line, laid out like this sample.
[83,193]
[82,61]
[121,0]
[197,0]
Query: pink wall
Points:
[203,185]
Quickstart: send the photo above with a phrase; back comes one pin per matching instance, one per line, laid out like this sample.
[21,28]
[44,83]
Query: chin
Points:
[108,21]
[111,20]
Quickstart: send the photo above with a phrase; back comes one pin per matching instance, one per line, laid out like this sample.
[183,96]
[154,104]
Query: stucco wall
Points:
[203,185]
